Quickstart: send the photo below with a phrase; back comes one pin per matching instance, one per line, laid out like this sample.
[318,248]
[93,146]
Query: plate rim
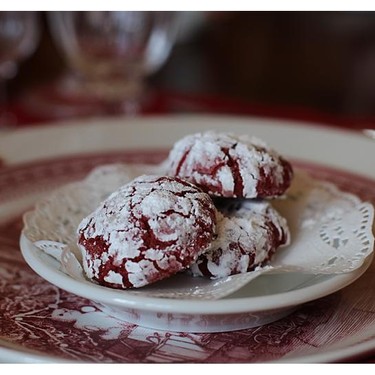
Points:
[179,122]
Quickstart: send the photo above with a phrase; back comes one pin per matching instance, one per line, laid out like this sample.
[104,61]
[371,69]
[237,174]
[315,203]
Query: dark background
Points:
[320,61]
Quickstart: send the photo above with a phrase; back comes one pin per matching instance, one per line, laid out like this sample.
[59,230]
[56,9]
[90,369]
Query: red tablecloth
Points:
[164,102]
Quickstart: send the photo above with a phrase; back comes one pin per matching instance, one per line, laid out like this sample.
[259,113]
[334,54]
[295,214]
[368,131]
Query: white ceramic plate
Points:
[264,300]
[104,140]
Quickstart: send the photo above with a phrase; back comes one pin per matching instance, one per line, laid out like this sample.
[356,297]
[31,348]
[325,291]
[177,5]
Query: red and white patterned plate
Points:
[40,322]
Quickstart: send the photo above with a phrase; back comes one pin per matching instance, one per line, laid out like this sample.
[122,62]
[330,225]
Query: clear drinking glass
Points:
[110,53]
[19,36]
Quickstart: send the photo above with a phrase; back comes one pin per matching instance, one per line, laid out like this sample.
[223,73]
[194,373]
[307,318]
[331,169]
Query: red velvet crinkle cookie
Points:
[146,231]
[249,233]
[226,165]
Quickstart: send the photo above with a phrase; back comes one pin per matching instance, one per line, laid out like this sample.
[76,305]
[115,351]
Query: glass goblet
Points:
[110,54]
[19,36]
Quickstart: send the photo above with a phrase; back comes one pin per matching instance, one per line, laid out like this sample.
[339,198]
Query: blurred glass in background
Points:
[109,54]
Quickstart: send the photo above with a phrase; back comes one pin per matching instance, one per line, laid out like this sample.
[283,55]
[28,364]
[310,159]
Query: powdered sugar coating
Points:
[249,233]
[148,230]
[227,165]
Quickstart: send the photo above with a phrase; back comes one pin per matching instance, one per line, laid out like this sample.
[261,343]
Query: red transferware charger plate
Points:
[43,323]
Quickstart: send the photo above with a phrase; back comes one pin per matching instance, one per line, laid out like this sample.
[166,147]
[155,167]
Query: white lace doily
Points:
[331,231]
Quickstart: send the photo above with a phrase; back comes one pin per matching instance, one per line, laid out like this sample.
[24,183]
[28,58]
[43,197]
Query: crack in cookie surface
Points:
[146,231]
[227,165]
